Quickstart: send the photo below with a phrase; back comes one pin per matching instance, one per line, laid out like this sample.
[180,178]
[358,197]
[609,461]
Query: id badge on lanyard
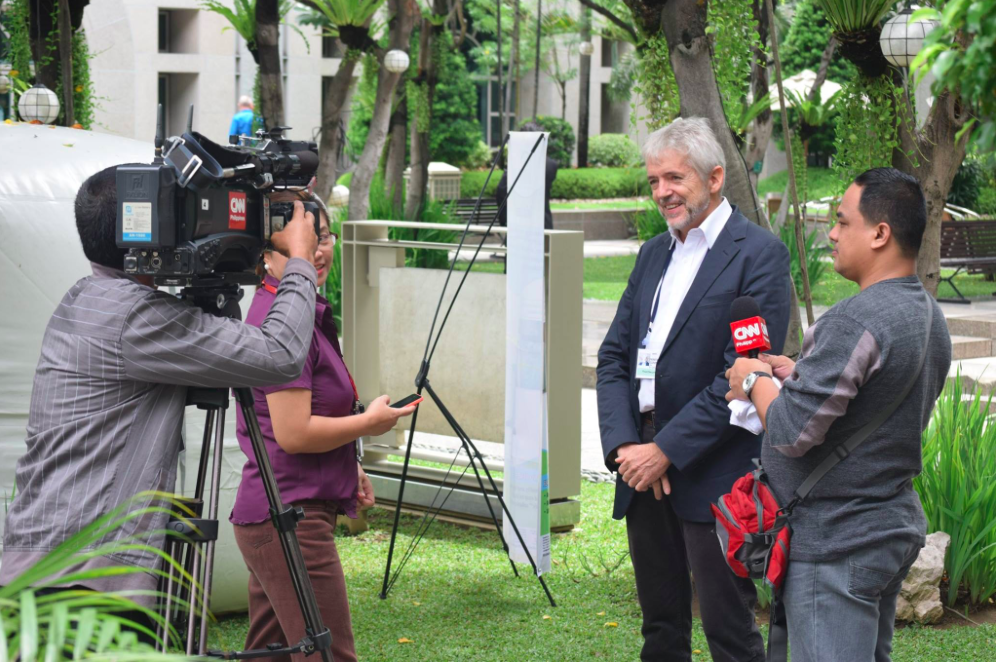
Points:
[646,357]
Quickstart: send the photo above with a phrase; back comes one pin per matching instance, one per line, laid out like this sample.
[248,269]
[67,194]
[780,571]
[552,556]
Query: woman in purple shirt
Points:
[309,431]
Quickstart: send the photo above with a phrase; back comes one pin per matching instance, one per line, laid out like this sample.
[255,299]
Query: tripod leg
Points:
[212,514]
[501,500]
[397,507]
[285,520]
[162,630]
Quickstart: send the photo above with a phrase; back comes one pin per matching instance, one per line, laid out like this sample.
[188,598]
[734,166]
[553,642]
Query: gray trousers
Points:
[845,609]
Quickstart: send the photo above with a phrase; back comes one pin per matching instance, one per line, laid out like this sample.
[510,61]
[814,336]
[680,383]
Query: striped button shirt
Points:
[107,406]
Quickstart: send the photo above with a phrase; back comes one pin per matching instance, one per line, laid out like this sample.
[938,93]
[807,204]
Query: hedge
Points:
[572,184]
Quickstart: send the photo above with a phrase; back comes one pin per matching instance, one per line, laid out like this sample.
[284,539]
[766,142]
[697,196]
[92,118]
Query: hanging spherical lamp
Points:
[586,48]
[396,61]
[38,104]
[901,39]
[4,84]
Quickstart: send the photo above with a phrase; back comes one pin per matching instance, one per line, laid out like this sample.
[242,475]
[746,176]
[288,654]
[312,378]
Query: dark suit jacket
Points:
[692,418]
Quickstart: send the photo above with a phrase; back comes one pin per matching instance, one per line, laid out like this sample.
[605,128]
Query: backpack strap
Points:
[846,448]
[777,631]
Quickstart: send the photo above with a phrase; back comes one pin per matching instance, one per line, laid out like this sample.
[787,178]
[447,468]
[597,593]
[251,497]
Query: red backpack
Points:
[753,530]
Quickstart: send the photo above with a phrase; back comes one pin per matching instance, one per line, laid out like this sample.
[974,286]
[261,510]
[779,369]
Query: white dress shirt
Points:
[685,262]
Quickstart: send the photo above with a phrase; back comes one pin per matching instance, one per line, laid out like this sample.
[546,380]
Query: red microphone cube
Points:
[750,334]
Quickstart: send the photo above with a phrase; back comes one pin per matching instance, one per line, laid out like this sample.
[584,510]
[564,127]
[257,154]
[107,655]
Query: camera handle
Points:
[201,534]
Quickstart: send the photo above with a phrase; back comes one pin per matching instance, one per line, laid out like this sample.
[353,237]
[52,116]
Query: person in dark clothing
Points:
[551,174]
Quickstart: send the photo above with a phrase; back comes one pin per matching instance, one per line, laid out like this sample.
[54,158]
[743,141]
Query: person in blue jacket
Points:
[242,121]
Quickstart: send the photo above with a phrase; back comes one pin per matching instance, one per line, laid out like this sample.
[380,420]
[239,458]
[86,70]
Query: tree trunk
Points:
[66,52]
[46,68]
[684,23]
[539,43]
[271,87]
[394,172]
[760,132]
[517,56]
[330,140]
[939,157]
[511,82]
[584,91]
[403,20]
[418,182]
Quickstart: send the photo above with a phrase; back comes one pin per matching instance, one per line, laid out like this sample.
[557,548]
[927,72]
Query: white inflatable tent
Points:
[41,169]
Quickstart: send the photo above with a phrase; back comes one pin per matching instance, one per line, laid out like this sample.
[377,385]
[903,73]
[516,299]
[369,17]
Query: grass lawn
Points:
[457,599]
[821,183]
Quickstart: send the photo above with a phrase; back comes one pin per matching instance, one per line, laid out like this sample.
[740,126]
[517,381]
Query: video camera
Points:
[199,213]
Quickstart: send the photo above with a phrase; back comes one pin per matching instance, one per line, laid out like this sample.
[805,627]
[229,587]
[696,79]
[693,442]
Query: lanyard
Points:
[356,396]
[653,313]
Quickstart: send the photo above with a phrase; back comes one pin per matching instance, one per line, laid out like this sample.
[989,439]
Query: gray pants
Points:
[845,609]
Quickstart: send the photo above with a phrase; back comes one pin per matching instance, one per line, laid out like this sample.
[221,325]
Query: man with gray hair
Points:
[664,420]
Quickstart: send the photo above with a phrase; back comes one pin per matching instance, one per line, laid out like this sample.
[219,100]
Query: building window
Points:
[178,30]
[164,31]
[489,110]
[164,98]
[331,48]
[610,53]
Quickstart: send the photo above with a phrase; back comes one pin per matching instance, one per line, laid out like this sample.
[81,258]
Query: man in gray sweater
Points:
[858,532]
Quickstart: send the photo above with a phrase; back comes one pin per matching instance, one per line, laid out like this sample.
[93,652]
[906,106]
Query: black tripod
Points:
[200,533]
[466,445]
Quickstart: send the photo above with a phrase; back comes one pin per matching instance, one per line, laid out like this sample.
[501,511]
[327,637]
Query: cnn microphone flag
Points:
[750,334]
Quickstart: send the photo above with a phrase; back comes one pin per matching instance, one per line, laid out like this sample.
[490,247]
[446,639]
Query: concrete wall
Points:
[209,66]
[471,382]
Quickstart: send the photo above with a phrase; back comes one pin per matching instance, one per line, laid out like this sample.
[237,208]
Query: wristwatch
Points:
[751,379]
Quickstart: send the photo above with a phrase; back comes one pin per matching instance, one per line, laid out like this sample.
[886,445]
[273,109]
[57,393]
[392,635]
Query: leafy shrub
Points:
[967,184]
[479,158]
[987,201]
[957,489]
[649,223]
[561,142]
[613,150]
[817,267]
[573,184]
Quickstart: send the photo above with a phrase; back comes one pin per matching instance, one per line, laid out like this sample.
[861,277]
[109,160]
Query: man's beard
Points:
[692,212]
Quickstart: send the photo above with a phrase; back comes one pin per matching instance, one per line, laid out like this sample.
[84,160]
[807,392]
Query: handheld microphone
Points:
[750,333]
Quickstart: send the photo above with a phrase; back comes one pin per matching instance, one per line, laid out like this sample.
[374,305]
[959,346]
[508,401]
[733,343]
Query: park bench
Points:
[968,246]
[463,209]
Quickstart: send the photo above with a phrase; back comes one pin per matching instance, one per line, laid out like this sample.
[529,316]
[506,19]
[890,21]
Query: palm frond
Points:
[849,16]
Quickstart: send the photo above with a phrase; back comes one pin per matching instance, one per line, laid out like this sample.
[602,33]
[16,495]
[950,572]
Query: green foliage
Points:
[986,204]
[734,36]
[332,287]
[870,113]
[84,99]
[649,223]
[807,38]
[800,169]
[82,623]
[967,184]
[623,77]
[821,182]
[483,18]
[573,184]
[655,83]
[560,144]
[818,269]
[479,158]
[242,17]
[16,21]
[362,107]
[741,114]
[613,150]
[848,16]
[454,129]
[356,13]
[957,489]
[968,70]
